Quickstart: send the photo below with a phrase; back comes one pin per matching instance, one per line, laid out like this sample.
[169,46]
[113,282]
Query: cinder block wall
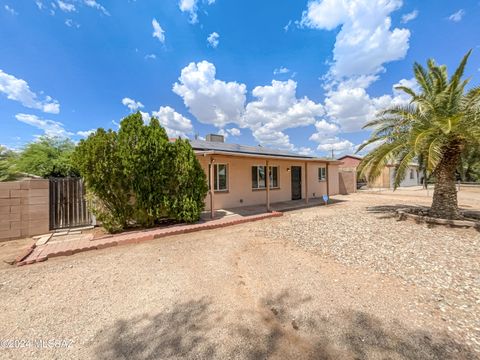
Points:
[24,208]
[347,181]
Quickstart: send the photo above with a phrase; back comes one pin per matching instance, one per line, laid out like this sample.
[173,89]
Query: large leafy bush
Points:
[137,177]
[48,156]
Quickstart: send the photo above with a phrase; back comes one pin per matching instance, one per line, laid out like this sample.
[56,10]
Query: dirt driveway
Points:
[251,291]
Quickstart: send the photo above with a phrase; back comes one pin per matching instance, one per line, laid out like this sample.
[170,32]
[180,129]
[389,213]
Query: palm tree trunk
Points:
[445,204]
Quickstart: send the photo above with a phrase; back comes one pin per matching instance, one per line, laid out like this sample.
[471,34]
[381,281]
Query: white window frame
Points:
[216,189]
[271,180]
[322,175]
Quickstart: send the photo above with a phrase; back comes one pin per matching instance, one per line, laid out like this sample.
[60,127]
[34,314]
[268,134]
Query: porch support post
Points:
[267,184]
[212,190]
[306,182]
[328,181]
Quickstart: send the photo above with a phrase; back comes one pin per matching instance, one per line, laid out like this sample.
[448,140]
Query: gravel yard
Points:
[443,261]
[345,281]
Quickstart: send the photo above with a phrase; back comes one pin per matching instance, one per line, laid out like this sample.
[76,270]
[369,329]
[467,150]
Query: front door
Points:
[296,182]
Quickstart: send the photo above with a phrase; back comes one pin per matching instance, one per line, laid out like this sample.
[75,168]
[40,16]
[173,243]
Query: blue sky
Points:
[297,75]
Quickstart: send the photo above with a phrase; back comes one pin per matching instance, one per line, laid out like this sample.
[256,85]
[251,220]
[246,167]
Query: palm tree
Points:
[440,123]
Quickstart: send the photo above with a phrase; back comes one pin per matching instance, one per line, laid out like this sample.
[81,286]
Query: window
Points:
[259,177]
[322,174]
[220,175]
[412,175]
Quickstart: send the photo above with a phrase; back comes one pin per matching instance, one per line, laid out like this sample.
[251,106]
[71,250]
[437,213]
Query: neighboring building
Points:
[348,174]
[239,176]
[349,162]
[387,177]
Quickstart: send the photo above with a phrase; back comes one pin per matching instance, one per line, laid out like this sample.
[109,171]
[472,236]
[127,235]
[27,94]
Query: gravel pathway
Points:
[443,261]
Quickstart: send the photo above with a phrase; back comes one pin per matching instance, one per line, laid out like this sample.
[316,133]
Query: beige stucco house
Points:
[238,176]
[387,177]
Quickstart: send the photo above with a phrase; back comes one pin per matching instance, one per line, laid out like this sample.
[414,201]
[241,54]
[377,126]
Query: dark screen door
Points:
[296,182]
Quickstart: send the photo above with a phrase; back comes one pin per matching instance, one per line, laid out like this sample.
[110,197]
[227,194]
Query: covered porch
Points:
[281,182]
[281,206]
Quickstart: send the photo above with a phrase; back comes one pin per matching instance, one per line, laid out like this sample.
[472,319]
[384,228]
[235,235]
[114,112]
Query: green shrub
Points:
[99,163]
[137,177]
[187,192]
[7,164]
[48,156]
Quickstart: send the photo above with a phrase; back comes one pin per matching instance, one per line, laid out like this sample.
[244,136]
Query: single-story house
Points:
[387,177]
[238,175]
[350,162]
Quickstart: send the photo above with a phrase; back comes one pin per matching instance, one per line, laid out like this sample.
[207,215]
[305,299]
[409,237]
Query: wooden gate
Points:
[68,207]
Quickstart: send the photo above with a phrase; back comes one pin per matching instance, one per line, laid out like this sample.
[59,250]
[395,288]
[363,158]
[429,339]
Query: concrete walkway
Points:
[75,245]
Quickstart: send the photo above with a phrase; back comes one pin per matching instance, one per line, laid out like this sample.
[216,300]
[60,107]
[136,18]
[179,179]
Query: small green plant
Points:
[136,177]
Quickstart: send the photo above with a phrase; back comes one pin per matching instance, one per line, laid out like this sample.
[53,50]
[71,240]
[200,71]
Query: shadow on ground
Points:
[389,211]
[179,332]
[282,326]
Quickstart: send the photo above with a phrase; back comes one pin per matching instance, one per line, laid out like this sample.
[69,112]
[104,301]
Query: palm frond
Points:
[401,168]
[406,90]
[434,154]
[457,75]
[422,78]
[372,165]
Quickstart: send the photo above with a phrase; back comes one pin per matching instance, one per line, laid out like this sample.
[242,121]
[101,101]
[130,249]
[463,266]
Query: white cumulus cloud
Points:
[210,100]
[18,90]
[365,41]
[213,39]
[350,106]
[276,109]
[158,32]
[174,123]
[324,129]
[227,132]
[337,145]
[132,104]
[234,132]
[191,7]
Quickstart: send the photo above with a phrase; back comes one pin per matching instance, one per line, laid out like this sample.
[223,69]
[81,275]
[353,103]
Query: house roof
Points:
[350,156]
[213,147]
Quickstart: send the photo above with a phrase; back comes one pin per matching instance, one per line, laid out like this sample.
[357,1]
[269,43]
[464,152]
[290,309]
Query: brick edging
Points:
[134,238]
